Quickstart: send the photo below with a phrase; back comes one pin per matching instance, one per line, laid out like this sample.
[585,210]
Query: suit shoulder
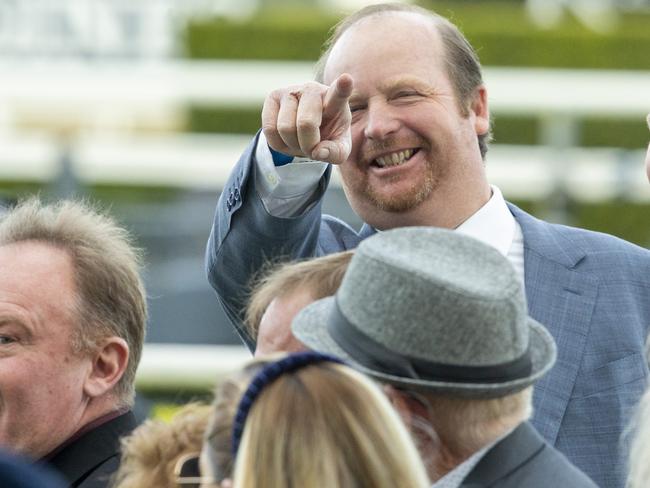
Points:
[602,242]
[582,246]
[335,235]
[548,467]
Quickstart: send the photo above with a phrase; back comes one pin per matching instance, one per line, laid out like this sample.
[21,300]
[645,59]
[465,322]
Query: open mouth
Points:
[396,158]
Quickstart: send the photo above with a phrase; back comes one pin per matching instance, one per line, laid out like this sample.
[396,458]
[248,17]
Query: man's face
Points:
[274,333]
[41,379]
[412,149]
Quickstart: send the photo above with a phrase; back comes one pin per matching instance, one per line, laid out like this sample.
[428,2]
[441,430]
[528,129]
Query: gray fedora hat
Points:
[434,310]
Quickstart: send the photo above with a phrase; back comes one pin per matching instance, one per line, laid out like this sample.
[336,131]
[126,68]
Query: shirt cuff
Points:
[285,190]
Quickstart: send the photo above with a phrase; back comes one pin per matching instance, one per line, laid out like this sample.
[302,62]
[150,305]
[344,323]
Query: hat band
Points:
[377,357]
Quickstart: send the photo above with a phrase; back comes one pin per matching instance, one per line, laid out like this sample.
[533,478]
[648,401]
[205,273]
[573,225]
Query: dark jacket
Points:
[524,459]
[91,460]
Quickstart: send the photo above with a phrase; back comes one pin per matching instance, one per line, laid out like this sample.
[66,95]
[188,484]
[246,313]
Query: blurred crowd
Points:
[453,341]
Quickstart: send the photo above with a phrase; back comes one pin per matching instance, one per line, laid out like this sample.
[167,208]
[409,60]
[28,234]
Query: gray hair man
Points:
[72,325]
[441,318]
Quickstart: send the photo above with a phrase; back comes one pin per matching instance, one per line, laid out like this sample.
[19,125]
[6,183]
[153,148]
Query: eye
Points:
[356,108]
[405,94]
[6,340]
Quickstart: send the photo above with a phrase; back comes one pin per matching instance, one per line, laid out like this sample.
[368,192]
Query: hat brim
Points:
[310,328]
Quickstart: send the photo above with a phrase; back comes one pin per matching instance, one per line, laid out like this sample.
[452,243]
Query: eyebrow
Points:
[8,320]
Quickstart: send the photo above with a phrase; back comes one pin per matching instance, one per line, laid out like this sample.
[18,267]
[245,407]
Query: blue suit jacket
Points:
[591,290]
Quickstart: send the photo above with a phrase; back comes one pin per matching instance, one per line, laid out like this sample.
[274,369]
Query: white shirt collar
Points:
[492,224]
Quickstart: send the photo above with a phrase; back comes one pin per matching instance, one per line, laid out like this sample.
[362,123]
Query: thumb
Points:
[335,152]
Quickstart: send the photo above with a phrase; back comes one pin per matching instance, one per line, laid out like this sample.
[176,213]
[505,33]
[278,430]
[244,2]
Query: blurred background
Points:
[145,106]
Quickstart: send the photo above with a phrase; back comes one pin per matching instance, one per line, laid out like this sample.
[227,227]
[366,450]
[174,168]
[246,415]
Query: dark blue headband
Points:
[265,377]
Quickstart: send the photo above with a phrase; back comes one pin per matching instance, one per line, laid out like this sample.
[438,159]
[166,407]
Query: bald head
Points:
[458,56]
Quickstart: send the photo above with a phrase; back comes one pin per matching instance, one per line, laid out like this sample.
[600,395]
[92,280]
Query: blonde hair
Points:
[321,277]
[150,452]
[110,300]
[326,425]
[639,476]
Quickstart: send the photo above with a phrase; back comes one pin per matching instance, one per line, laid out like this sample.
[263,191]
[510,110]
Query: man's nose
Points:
[381,121]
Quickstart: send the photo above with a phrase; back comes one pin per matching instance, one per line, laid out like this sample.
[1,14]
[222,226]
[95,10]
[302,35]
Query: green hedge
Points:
[622,219]
[501,32]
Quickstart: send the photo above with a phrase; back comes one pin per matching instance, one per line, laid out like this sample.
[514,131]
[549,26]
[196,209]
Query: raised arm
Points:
[302,121]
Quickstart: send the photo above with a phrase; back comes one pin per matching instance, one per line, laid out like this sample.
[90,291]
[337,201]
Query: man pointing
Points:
[399,106]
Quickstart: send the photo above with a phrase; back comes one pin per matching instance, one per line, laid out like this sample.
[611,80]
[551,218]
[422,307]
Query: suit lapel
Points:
[562,298]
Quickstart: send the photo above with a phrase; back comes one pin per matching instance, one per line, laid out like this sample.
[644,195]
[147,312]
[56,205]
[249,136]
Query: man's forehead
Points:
[42,273]
[400,22]
[409,19]
[37,253]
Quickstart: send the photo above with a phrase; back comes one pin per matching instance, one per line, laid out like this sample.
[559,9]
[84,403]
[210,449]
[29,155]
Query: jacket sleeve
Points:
[245,237]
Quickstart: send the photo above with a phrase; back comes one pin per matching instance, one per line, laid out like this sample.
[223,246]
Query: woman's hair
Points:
[150,452]
[218,434]
[324,424]
[640,449]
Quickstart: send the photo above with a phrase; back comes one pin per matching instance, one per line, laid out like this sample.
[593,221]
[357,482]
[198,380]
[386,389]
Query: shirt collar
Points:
[492,224]
[93,424]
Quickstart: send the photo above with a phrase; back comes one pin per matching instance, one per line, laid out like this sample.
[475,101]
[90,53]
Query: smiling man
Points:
[400,108]
[72,323]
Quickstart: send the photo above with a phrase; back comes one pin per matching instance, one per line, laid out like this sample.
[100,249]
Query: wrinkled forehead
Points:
[388,34]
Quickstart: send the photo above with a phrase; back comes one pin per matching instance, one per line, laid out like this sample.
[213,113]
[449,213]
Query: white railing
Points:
[170,366]
[65,86]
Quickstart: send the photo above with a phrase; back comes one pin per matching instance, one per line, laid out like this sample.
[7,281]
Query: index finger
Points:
[337,96]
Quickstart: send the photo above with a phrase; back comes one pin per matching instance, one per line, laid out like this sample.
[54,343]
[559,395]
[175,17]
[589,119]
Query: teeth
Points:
[394,159]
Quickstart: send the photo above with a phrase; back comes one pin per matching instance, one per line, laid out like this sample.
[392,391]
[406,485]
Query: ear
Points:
[400,403]
[108,366]
[479,111]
